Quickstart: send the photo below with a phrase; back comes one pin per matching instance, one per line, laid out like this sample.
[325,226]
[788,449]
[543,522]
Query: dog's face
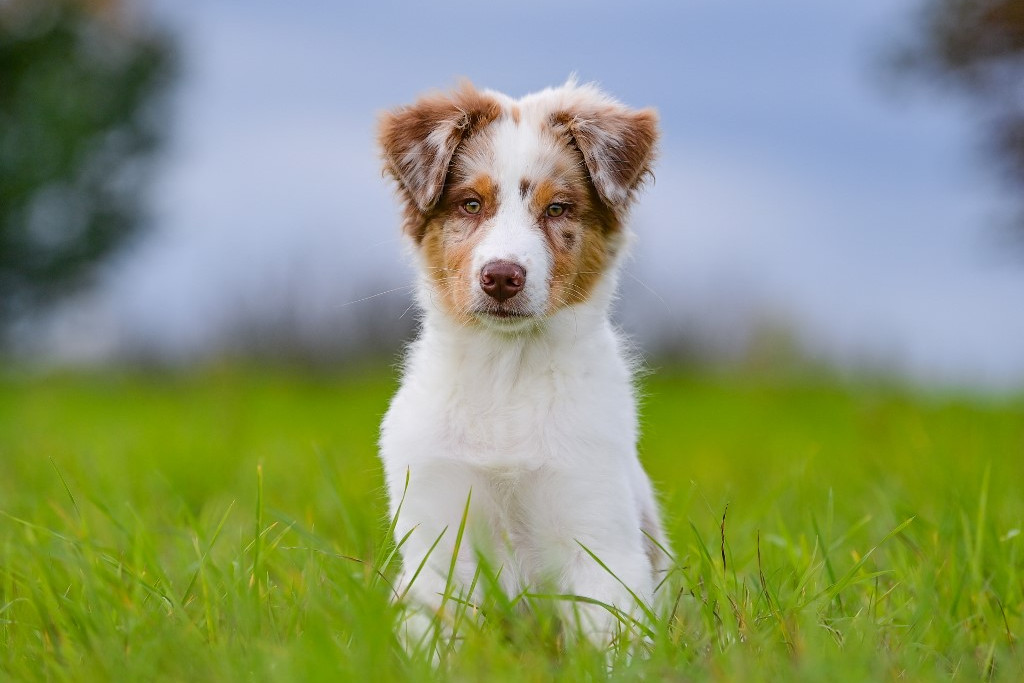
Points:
[516,207]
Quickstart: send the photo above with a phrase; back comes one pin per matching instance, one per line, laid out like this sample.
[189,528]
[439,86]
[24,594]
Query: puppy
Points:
[517,401]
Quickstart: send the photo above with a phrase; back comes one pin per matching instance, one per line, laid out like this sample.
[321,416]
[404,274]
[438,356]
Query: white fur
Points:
[534,422]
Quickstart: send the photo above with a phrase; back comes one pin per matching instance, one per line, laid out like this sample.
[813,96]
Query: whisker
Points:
[374,296]
[645,286]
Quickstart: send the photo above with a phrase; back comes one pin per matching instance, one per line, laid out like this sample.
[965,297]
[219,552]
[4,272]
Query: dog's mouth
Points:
[503,312]
[507,313]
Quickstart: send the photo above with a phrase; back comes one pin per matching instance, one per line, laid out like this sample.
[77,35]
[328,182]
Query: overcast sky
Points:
[793,182]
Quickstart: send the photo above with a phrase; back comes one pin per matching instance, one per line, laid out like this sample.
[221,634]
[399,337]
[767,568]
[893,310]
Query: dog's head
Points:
[516,206]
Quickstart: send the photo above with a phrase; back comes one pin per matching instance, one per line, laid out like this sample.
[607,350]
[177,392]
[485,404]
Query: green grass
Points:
[230,525]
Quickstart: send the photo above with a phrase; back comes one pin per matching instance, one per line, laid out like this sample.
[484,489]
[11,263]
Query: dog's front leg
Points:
[435,524]
[593,525]
[620,590]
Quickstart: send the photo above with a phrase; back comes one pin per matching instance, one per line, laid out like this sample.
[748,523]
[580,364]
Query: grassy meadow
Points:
[229,524]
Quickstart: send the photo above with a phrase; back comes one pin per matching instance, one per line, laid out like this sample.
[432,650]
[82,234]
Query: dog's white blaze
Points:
[514,237]
[514,234]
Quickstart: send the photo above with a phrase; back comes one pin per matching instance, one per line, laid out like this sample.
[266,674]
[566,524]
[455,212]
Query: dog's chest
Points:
[517,415]
[522,423]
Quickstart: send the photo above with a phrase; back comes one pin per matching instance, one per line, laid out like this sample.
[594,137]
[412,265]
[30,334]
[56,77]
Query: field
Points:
[229,525]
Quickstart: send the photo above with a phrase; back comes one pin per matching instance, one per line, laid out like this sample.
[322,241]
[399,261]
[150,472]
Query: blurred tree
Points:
[977,46]
[78,120]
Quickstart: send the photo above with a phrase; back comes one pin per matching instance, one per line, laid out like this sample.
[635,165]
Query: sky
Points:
[799,181]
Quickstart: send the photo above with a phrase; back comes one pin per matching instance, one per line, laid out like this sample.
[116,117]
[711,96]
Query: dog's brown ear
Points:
[617,143]
[418,140]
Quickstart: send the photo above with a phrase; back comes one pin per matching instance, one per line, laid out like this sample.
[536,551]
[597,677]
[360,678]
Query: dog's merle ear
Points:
[617,143]
[418,140]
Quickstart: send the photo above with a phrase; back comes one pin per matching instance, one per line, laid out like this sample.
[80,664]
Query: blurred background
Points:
[839,184]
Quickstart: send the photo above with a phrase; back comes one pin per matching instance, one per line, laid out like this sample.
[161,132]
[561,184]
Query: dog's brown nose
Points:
[502,280]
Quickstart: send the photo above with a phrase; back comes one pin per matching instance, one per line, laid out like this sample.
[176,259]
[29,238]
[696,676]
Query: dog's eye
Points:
[555,210]
[471,206]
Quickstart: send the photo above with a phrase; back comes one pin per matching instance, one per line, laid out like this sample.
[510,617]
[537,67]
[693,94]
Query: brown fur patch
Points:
[419,140]
[450,237]
[547,191]
[485,188]
[581,256]
[583,240]
[448,254]
[617,144]
[655,555]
